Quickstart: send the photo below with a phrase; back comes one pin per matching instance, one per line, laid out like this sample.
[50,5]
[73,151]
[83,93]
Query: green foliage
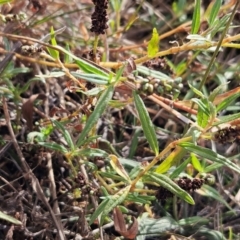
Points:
[168,184]
[99,109]
[226,102]
[93,78]
[54,146]
[117,143]
[54,53]
[172,159]
[85,65]
[4,1]
[214,11]
[65,133]
[155,227]
[146,123]
[196,17]
[209,154]
[203,112]
[212,193]
[108,204]
[153,47]
[116,4]
[196,163]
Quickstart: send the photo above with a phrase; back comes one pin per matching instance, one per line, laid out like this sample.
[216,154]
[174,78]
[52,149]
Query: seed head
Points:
[228,135]
[99,17]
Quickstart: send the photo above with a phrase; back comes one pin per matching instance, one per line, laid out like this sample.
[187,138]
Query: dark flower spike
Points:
[187,184]
[99,17]
[190,184]
[228,135]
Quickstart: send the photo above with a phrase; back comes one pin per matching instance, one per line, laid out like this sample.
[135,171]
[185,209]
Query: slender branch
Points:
[28,174]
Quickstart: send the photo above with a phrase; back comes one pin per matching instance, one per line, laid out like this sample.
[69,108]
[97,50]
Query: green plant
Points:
[119,108]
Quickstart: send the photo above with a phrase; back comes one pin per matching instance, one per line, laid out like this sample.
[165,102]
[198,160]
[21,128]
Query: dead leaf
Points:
[27,109]
[119,222]
[84,31]
[54,110]
[118,167]
[130,67]
[120,225]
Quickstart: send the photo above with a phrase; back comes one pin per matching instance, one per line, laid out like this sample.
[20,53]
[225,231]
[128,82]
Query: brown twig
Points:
[28,174]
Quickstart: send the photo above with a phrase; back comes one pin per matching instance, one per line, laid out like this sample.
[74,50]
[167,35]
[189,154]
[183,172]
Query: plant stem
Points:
[95,44]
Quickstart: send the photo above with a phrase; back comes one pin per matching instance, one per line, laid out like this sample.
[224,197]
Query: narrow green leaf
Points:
[65,133]
[109,203]
[180,169]
[120,71]
[227,101]
[193,221]
[156,227]
[212,167]
[10,219]
[216,91]
[153,44]
[140,199]
[196,163]
[203,111]
[172,159]
[88,68]
[196,91]
[116,4]
[134,143]
[112,176]
[115,200]
[214,11]
[209,191]
[195,133]
[54,146]
[210,234]
[146,122]
[96,114]
[219,25]
[104,191]
[153,73]
[202,104]
[196,17]
[86,65]
[67,58]
[171,186]
[93,78]
[99,210]
[94,91]
[90,139]
[91,152]
[53,39]
[202,119]
[227,118]
[135,171]
[16,71]
[53,52]
[129,163]
[209,154]
[213,110]
[48,36]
